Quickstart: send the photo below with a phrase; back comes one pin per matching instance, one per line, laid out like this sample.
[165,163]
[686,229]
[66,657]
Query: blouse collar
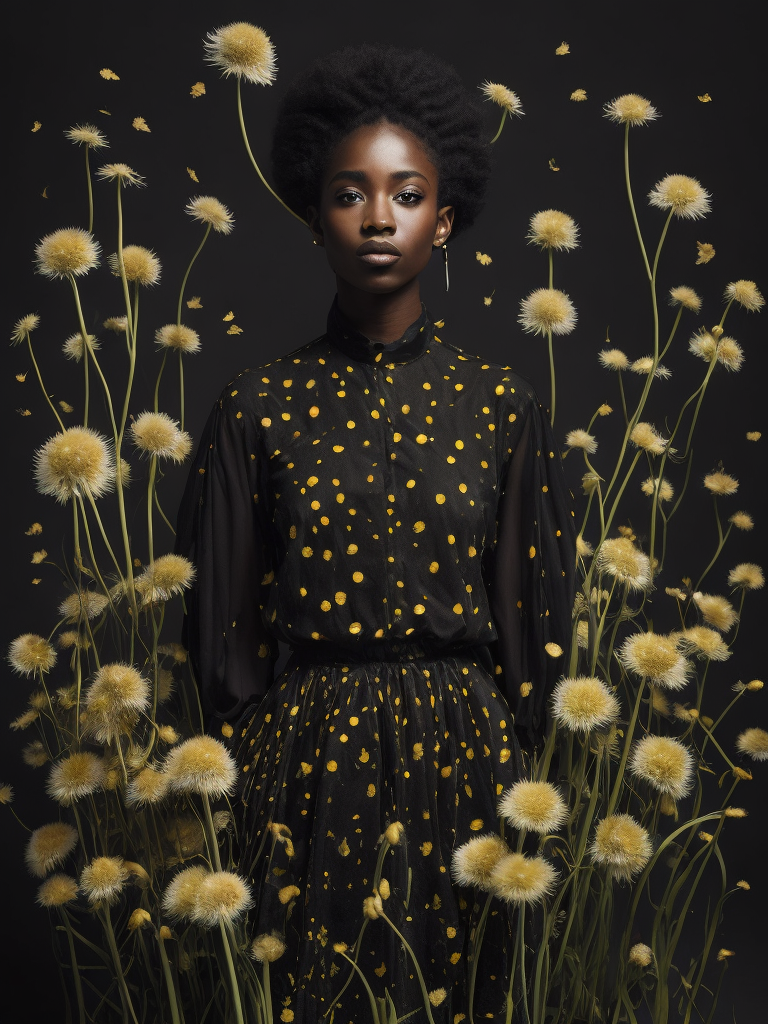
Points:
[357,346]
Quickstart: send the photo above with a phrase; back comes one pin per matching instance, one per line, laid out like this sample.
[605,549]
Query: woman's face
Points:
[378,218]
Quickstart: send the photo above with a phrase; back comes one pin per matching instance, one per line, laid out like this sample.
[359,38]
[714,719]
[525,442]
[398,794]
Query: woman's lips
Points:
[378,252]
[379,259]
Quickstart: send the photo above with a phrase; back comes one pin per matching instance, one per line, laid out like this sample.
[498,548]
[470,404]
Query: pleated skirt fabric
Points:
[336,754]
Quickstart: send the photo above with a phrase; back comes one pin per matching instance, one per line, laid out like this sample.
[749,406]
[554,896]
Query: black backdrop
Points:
[277,285]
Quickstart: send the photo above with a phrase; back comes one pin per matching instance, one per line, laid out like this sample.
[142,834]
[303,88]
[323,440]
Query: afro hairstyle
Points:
[362,85]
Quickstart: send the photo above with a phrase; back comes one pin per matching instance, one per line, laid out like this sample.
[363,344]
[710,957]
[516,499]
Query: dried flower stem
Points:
[615,792]
[189,268]
[73,959]
[477,943]
[159,378]
[170,987]
[424,993]
[501,125]
[233,985]
[253,159]
[125,996]
[213,843]
[42,386]
[722,537]
[369,993]
[632,201]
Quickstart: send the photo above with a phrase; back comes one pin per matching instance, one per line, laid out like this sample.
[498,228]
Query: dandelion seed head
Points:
[75,461]
[613,359]
[149,786]
[373,907]
[268,948]
[164,578]
[715,610]
[702,641]
[502,97]
[644,365]
[56,891]
[87,135]
[118,324]
[75,776]
[103,879]
[535,806]
[681,194]
[703,345]
[547,309]
[209,210]
[86,604]
[753,743]
[645,436]
[114,701]
[122,173]
[155,433]
[180,896]
[222,897]
[34,754]
[685,296]
[663,486]
[243,50]
[24,327]
[74,348]
[581,439]
[201,765]
[48,846]
[641,955]
[619,557]
[583,548]
[741,520]
[630,109]
[473,862]
[68,251]
[746,293]
[621,845]
[437,996]
[30,654]
[551,229]
[583,703]
[656,658]
[141,265]
[179,337]
[665,763]
[519,879]
[730,354]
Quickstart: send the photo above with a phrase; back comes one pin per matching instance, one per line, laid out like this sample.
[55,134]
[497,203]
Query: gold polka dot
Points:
[463,488]
[450,459]
[294,711]
[303,591]
[459,444]
[455,957]
[266,421]
[419,527]
[499,389]
[371,789]
[355,627]
[440,499]
[287,383]
[309,384]
[331,766]
[307,552]
[364,756]
[471,551]
[504,754]
[450,931]
[352,549]
[315,505]
[343,738]
[292,533]
[445,772]
[340,597]
[351,424]
[325,606]
[419,609]
[324,520]
[421,439]
[512,417]
[433,566]
[354,720]
[357,577]
[458,608]
[532,552]
[379,633]
[459,387]
[451,539]
[410,483]
[340,498]
[327,555]
[406,409]
[338,447]
[375,413]
[476,824]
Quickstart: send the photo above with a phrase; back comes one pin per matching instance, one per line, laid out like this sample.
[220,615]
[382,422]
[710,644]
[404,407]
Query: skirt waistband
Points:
[324,653]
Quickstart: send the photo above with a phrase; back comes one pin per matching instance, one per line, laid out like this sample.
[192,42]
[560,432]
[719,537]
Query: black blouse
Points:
[358,495]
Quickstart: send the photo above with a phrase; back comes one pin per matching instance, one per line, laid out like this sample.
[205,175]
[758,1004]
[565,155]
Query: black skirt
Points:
[336,754]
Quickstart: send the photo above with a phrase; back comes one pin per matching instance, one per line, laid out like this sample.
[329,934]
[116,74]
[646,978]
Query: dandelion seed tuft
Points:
[155,433]
[645,436]
[57,891]
[221,897]
[114,701]
[201,765]
[621,845]
[103,879]
[268,948]
[630,109]
[49,846]
[641,955]
[30,654]
[166,577]
[502,97]
[121,173]
[149,786]
[75,776]
[741,520]
[746,293]
[746,575]
[24,327]
[581,439]
[473,862]
[682,195]
[519,879]
[243,50]
[583,703]
[551,229]
[655,658]
[753,743]
[84,604]
[34,754]
[545,310]
[663,486]
[75,461]
[208,210]
[665,763]
[141,265]
[87,135]
[644,365]
[715,610]
[702,641]
[67,252]
[75,348]
[620,558]
[685,296]
[613,359]
[535,806]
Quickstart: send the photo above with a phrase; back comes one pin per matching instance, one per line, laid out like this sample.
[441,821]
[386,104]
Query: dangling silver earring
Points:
[445,264]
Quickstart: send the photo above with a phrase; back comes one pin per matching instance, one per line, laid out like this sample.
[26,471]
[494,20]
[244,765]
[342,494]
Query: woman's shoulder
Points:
[493,378]
[258,385]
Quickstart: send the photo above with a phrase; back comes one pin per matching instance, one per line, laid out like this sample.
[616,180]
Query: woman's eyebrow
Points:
[361,176]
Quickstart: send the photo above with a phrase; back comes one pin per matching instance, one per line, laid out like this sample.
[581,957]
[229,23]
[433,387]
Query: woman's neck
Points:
[382,318]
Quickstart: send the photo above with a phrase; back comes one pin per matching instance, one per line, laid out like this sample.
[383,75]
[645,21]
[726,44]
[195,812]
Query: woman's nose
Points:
[378,215]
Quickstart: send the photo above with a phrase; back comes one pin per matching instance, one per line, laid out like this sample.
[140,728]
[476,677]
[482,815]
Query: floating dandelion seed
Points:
[87,135]
[579,95]
[29,654]
[49,846]
[118,324]
[551,229]
[243,50]
[502,97]
[82,604]
[665,763]
[663,486]
[641,955]
[209,210]
[103,879]
[167,734]
[121,173]
[705,252]
[6,793]
[437,996]
[57,891]
[222,897]
[581,439]
[583,548]
[547,309]
[583,703]
[75,776]
[519,879]
[630,109]
[76,460]
[704,642]
[473,862]
[715,610]
[164,578]
[35,754]
[201,765]
[24,327]
[620,558]
[644,365]
[754,743]
[268,948]
[746,293]
[655,658]
[67,252]
[746,575]
[155,433]
[535,806]
[73,347]
[681,194]
[613,359]
[140,264]
[684,296]
[25,720]
[621,845]
[178,336]
[645,436]
[725,954]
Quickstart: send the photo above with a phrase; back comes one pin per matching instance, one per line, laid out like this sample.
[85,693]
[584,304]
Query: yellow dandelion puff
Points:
[704,252]
[114,701]
[519,879]
[746,293]
[243,50]
[175,651]
[645,436]
[746,575]
[121,173]
[502,97]
[663,486]
[201,765]
[164,578]
[75,776]
[754,743]
[57,891]
[483,259]
[715,610]
[644,365]
[103,879]
[581,439]
[140,264]
[641,955]
[743,885]
[604,409]
[562,49]
[373,908]
[29,654]
[194,302]
[583,703]
[73,461]
[209,210]
[704,642]
[198,89]
[35,754]
[155,433]
[267,948]
[6,793]
[167,734]
[535,806]
[681,194]
[619,557]
[67,252]
[74,348]
[583,548]
[684,296]
[665,763]
[621,845]
[551,229]
[180,897]
[221,898]
[735,812]
[473,863]
[613,359]
[25,720]
[140,124]
[545,310]
[655,658]
[148,786]
[703,345]
[630,109]
[579,95]
[140,918]
[24,327]
[49,846]
[437,996]
[82,604]
[553,650]
[87,135]
[109,75]
[394,833]
[179,337]
[118,324]
[741,520]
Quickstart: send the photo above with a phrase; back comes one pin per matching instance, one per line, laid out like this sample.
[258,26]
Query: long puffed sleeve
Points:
[532,583]
[224,528]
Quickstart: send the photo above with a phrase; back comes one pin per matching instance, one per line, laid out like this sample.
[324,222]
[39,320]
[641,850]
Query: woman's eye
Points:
[348,197]
[410,198]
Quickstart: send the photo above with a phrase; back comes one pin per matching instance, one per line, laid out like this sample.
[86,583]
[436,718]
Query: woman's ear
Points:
[313,219]
[444,225]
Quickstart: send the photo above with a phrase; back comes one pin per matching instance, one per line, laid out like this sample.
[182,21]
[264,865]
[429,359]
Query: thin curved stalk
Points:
[125,996]
[234,988]
[417,967]
[186,275]
[90,186]
[42,386]
[628,181]
[150,504]
[75,968]
[369,993]
[159,378]
[501,125]
[625,752]
[181,390]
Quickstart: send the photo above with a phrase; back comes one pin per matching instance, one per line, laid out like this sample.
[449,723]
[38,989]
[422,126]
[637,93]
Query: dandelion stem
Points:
[371,999]
[632,202]
[213,842]
[625,751]
[40,379]
[73,958]
[125,997]
[169,981]
[253,159]
[159,378]
[181,390]
[424,993]
[186,275]
[90,186]
[501,125]
[150,505]
[476,947]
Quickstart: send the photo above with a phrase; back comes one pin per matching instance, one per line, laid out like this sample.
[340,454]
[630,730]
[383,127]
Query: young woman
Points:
[393,509]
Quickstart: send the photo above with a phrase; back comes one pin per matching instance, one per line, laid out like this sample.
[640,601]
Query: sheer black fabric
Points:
[398,516]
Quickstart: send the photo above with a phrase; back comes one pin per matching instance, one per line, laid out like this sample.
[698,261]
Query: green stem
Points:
[424,993]
[501,125]
[169,981]
[632,202]
[90,187]
[234,989]
[159,378]
[253,159]
[150,505]
[213,842]
[125,996]
[42,386]
[186,276]
[625,751]
[371,999]
[181,390]
[476,946]
[75,968]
